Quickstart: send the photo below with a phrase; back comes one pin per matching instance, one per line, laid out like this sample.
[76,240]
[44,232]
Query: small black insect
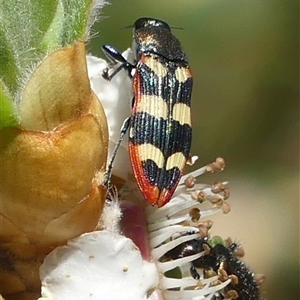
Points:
[219,257]
[186,249]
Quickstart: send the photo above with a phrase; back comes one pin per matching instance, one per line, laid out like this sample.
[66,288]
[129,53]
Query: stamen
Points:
[158,252]
[197,294]
[231,295]
[178,222]
[199,196]
[203,231]
[219,187]
[234,279]
[157,237]
[172,264]
[195,214]
[260,278]
[225,208]
[190,182]
[217,166]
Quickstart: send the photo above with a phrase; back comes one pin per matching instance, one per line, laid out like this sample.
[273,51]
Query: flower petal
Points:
[116,96]
[98,265]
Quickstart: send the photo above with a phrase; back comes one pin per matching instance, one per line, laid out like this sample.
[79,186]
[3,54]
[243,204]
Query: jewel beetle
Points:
[160,131]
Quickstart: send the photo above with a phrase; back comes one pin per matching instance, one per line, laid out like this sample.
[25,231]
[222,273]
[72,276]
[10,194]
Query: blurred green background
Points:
[244,58]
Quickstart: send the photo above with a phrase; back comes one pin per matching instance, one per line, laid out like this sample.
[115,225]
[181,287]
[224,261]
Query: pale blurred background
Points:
[244,58]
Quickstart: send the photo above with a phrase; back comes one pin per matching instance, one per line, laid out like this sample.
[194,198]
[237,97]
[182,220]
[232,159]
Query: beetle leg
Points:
[194,272]
[116,57]
[123,131]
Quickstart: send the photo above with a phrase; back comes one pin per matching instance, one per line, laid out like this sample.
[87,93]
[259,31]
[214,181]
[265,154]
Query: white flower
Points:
[166,231]
[115,97]
[97,265]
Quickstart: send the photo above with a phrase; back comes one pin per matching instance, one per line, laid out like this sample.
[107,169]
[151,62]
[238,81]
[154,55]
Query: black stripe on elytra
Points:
[160,177]
[167,135]
[167,87]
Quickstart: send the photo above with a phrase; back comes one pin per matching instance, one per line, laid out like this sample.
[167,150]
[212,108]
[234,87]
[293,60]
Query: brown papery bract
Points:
[51,169]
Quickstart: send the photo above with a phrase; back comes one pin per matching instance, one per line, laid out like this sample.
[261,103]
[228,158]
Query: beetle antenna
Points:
[126,27]
[175,27]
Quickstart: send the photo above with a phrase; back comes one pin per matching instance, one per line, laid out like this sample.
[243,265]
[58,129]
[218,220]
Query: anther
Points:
[239,251]
[206,249]
[234,279]
[231,295]
[223,276]
[195,214]
[225,207]
[217,166]
[220,187]
[203,231]
[259,278]
[207,224]
[190,182]
[199,195]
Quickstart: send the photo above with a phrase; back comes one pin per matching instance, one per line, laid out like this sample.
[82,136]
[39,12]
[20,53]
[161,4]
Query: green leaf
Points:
[8,65]
[53,36]
[8,116]
[76,22]
[30,30]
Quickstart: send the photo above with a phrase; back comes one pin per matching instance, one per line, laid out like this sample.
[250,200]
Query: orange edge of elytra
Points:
[151,193]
